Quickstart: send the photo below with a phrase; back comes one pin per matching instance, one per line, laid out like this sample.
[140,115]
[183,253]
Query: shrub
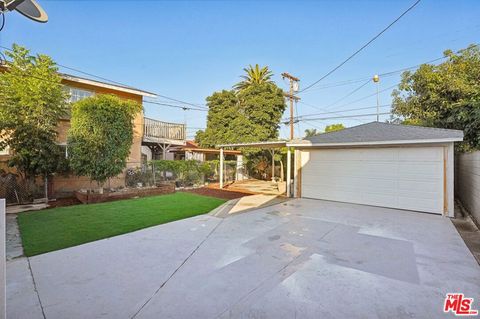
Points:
[101,136]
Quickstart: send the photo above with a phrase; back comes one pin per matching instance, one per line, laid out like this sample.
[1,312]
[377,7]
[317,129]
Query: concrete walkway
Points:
[13,242]
[246,204]
[299,259]
[256,186]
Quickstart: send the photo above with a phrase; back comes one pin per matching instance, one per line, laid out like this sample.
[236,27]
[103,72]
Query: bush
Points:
[101,136]
[136,175]
[186,173]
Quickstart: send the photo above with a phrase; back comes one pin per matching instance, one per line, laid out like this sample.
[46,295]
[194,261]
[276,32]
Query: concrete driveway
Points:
[300,259]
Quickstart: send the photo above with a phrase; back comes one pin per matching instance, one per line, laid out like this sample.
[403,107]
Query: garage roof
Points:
[383,133]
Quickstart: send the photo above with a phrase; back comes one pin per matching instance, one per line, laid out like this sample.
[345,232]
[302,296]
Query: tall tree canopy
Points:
[309,132]
[32,101]
[445,95]
[334,127]
[254,75]
[252,113]
[101,136]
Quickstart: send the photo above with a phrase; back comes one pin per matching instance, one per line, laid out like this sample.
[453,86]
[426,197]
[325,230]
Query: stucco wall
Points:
[468,182]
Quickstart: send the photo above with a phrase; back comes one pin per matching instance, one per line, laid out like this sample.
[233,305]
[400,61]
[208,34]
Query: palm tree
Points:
[255,75]
[309,132]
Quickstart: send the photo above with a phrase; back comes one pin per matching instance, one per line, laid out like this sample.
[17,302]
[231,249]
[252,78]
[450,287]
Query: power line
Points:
[363,47]
[349,110]
[145,101]
[358,100]
[176,106]
[385,74]
[324,110]
[115,82]
[341,117]
[348,94]
[370,95]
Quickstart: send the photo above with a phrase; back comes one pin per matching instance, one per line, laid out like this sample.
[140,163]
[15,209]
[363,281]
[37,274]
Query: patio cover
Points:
[270,144]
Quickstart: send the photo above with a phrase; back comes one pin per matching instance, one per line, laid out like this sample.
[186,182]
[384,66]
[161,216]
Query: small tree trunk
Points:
[45,181]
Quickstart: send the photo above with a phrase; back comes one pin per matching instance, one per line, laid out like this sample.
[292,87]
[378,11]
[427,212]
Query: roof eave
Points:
[71,78]
[308,144]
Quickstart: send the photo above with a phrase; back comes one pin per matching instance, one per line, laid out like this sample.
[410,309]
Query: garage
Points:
[379,164]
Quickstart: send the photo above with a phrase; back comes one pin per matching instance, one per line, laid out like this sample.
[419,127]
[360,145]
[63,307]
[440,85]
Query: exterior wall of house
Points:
[468,182]
[64,185]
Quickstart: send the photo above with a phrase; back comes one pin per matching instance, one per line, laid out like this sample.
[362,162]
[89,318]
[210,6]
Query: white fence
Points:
[467,182]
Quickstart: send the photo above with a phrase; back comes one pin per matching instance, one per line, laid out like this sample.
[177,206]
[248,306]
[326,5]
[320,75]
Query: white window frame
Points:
[5,151]
[77,94]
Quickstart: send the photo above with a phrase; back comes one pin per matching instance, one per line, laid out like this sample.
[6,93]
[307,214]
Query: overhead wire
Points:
[145,101]
[333,112]
[341,117]
[362,47]
[118,83]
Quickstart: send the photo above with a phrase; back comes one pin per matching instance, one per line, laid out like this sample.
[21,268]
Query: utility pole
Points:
[376,79]
[293,88]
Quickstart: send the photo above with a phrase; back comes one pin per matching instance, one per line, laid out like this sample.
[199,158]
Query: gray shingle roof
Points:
[384,132]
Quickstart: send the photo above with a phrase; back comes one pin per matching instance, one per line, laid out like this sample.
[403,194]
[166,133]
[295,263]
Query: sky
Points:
[189,49]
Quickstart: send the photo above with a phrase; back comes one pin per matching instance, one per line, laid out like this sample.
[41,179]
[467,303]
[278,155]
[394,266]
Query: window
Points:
[5,151]
[78,94]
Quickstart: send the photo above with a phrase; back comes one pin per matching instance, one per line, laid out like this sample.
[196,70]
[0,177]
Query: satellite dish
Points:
[29,8]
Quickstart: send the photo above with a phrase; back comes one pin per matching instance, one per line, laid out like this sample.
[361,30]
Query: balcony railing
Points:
[157,130]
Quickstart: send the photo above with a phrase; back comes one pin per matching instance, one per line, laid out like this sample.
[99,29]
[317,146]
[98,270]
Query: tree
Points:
[252,114]
[32,101]
[334,127]
[263,105]
[101,136]
[255,75]
[445,95]
[309,132]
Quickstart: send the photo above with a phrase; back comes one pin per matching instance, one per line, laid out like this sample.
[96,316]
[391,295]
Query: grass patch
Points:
[63,227]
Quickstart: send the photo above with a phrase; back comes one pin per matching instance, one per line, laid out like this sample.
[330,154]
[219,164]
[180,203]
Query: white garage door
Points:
[406,178]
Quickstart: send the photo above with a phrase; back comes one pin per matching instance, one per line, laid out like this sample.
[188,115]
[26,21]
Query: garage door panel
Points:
[419,186]
[353,185]
[377,199]
[407,178]
[355,169]
[424,154]
[416,169]
[420,204]
[418,195]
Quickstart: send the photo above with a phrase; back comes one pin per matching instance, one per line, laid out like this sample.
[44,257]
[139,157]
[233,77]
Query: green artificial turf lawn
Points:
[63,227]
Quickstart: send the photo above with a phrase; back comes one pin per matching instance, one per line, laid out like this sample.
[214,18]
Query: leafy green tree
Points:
[251,115]
[101,136]
[309,132]
[263,105]
[32,101]
[445,95]
[254,75]
[334,127]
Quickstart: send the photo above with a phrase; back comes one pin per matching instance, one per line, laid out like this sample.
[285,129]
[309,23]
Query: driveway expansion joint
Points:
[35,288]
[176,270]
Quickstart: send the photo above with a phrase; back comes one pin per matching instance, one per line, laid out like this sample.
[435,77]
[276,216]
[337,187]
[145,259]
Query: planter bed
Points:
[91,197]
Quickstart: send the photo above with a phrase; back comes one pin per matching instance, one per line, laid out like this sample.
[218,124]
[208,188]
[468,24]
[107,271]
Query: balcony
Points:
[159,132]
